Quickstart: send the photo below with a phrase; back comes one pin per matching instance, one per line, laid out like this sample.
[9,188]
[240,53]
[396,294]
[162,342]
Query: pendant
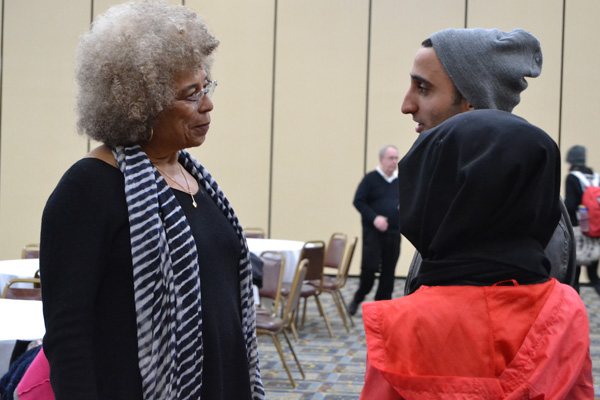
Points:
[194,202]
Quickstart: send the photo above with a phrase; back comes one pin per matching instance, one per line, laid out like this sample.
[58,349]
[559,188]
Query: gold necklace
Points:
[178,184]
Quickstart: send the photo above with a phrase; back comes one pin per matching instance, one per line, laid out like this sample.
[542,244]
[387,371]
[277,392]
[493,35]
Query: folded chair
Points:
[273,326]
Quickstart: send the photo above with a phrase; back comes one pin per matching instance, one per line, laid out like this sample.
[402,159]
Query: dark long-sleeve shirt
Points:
[376,196]
[88,293]
[574,193]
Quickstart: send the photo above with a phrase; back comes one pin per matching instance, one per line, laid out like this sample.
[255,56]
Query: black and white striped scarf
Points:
[167,280]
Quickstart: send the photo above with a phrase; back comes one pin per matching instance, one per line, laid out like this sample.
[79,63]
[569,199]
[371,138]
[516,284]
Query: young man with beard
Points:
[459,70]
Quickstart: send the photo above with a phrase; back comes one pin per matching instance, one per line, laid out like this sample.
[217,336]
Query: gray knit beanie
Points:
[576,156]
[488,66]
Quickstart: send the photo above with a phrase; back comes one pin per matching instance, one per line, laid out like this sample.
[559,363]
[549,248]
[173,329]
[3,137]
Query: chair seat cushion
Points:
[23,293]
[308,290]
[262,311]
[268,323]
[330,284]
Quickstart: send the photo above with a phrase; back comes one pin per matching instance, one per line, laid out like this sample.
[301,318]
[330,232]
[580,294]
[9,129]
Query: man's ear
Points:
[465,105]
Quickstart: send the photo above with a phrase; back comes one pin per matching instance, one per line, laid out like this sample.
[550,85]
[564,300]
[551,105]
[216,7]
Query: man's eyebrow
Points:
[420,79]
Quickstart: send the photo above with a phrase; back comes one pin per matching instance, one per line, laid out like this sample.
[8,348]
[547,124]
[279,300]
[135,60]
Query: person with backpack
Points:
[582,179]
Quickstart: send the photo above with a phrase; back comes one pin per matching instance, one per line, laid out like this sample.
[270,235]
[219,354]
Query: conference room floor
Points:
[335,367]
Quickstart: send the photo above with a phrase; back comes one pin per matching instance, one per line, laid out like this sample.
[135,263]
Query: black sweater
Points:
[89,308]
[376,196]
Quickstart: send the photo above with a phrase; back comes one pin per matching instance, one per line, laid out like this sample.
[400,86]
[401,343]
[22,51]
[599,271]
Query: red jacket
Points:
[469,342]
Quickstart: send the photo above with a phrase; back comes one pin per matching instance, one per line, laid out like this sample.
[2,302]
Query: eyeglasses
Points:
[197,97]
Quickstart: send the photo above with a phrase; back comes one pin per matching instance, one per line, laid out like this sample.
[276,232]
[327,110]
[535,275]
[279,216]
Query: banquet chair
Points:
[334,285]
[273,326]
[255,233]
[273,266]
[334,252]
[30,251]
[314,252]
[334,255]
[32,293]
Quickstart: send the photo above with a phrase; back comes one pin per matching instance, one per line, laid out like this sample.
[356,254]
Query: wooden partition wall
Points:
[308,92]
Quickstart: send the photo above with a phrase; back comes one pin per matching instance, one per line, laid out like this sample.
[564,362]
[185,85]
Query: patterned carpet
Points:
[334,367]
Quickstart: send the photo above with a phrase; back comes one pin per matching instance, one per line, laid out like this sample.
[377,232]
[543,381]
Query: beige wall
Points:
[396,33]
[308,92]
[238,147]
[37,133]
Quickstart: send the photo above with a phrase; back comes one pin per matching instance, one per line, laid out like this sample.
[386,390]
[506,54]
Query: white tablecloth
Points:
[21,320]
[21,268]
[290,248]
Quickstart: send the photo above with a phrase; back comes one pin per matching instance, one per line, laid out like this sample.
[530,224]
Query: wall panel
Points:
[320,96]
[580,117]
[38,139]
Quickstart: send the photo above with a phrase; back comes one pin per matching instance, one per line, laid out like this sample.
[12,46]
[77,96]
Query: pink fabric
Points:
[35,384]
[499,342]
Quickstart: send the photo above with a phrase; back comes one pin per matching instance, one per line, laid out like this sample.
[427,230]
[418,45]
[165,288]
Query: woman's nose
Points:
[206,104]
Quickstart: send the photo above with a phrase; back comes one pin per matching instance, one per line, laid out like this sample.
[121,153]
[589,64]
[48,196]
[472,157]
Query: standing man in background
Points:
[458,70]
[377,201]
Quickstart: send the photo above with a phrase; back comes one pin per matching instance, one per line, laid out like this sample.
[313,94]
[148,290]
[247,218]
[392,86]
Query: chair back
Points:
[314,252]
[255,233]
[32,293]
[30,251]
[335,250]
[294,298]
[343,277]
[273,264]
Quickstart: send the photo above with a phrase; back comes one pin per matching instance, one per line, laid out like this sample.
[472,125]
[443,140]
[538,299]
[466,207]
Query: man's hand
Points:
[381,223]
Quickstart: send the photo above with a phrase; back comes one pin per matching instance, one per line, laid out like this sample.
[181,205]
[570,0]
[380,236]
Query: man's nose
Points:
[409,106]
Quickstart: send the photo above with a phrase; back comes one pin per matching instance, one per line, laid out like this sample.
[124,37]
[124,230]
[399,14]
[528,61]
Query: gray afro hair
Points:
[127,64]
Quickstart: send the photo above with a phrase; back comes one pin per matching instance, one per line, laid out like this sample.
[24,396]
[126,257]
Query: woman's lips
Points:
[203,128]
